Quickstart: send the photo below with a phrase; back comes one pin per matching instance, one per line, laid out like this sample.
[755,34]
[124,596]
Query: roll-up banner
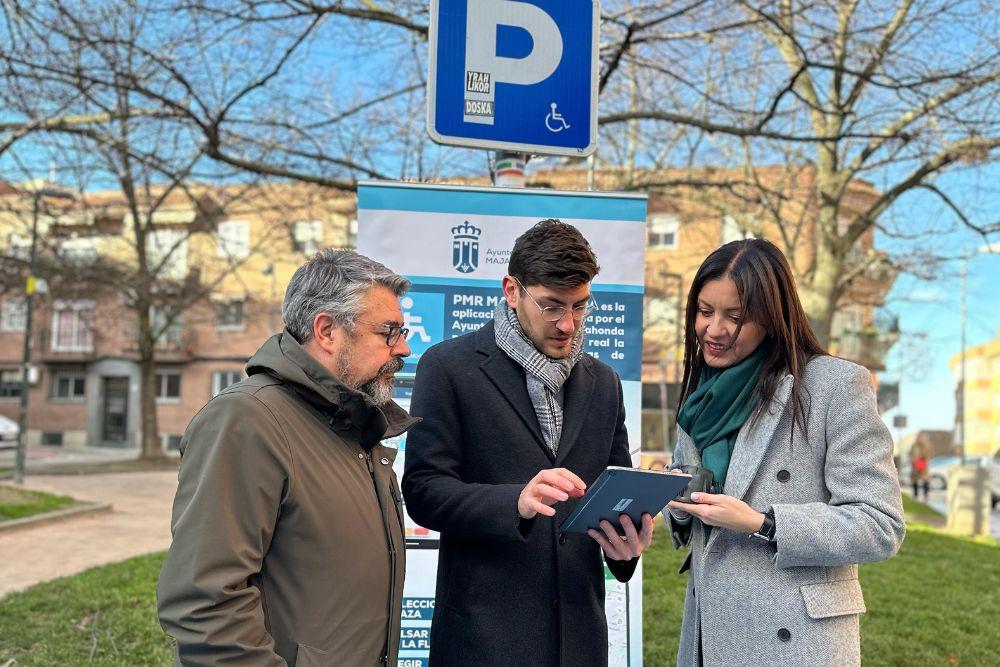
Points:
[454,243]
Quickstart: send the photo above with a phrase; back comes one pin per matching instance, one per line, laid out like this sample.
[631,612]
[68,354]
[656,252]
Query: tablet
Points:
[631,491]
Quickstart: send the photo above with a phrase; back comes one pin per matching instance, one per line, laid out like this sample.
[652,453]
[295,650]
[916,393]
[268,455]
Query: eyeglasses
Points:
[393,333]
[556,313]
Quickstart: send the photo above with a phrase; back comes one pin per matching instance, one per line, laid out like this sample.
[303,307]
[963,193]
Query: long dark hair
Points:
[768,298]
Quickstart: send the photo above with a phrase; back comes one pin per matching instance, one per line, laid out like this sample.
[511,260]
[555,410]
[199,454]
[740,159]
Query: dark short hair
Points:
[554,254]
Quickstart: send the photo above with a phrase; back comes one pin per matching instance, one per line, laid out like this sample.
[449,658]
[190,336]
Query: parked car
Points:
[8,432]
[940,467]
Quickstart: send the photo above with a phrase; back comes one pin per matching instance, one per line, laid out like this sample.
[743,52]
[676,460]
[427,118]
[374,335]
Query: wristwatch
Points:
[766,530]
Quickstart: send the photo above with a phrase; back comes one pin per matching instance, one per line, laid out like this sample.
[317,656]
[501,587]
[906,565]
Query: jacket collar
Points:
[509,379]
[345,410]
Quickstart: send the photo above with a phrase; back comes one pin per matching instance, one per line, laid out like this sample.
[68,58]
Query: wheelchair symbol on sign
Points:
[413,322]
[555,121]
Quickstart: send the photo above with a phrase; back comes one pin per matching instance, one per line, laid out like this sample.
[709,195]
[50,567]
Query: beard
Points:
[379,388]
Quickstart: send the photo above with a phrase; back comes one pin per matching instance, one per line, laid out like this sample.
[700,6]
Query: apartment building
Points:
[687,222]
[978,406]
[241,245]
[234,248]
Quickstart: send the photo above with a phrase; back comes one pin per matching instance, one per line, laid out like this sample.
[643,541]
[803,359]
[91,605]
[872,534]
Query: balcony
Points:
[49,345]
[173,345]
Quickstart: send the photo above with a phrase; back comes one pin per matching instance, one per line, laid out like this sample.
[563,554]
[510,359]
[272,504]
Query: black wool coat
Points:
[509,591]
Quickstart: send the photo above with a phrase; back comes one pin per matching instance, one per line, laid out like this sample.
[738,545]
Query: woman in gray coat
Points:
[805,487]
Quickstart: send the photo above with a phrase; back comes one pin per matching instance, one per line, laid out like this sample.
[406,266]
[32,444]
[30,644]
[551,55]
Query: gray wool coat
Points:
[836,502]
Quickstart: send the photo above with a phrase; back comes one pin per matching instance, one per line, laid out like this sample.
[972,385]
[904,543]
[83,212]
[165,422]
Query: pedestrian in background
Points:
[287,531]
[806,487]
[920,470]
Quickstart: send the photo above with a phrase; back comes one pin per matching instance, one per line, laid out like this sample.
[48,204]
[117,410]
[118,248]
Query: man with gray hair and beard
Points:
[287,525]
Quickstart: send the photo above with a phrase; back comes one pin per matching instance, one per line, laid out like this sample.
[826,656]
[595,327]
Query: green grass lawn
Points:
[104,616]
[936,603]
[918,510]
[17,503]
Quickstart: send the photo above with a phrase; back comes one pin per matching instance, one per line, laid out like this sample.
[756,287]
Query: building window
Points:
[71,330]
[13,315]
[167,253]
[19,247]
[660,312]
[352,233]
[167,335]
[234,239]
[79,252]
[168,385]
[222,379]
[737,229]
[68,386]
[52,438]
[229,314]
[307,236]
[663,231]
[10,384]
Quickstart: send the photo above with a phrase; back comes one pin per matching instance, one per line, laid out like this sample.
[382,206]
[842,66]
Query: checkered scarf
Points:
[545,376]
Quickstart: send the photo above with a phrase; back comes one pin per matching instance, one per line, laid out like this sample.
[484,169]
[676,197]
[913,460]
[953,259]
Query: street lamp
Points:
[38,190]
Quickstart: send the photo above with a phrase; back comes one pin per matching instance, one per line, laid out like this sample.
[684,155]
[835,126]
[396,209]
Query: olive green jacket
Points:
[287,525]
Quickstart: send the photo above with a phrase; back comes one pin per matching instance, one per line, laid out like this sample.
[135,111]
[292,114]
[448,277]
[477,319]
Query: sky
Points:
[931,335]
[930,311]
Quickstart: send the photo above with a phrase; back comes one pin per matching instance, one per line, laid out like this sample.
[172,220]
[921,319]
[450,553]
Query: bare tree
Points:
[831,92]
[102,96]
[898,94]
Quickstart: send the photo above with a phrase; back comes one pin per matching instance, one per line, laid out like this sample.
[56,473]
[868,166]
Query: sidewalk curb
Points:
[81,509]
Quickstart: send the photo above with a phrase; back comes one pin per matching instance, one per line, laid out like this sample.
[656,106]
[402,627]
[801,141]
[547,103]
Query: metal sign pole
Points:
[22,422]
[508,169]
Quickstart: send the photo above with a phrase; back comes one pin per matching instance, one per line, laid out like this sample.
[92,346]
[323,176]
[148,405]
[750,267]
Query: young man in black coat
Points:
[517,420]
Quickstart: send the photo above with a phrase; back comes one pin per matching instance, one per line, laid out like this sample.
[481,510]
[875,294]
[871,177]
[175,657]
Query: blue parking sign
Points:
[514,75]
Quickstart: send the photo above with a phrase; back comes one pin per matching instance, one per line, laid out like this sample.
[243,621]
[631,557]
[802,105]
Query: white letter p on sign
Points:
[484,68]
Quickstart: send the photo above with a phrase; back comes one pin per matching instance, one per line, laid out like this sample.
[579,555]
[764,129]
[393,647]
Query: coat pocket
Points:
[833,598]
[307,656]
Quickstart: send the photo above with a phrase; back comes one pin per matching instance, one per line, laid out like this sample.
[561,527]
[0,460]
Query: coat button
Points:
[555,603]
[784,635]
[693,593]
[361,456]
[784,475]
[385,461]
[562,539]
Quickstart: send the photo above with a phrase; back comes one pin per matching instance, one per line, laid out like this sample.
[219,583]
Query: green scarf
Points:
[714,412]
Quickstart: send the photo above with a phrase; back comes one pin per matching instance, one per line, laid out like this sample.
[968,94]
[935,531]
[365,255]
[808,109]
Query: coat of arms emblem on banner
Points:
[465,248]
